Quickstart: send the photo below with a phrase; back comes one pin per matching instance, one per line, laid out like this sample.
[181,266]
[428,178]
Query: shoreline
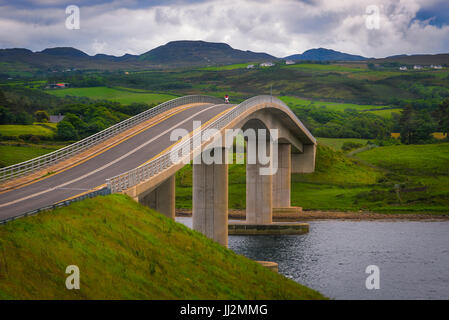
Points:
[311,215]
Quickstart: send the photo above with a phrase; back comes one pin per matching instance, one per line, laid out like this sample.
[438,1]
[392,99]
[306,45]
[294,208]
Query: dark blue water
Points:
[413,257]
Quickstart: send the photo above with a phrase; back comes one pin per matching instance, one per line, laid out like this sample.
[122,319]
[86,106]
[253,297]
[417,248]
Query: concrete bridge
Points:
[134,157]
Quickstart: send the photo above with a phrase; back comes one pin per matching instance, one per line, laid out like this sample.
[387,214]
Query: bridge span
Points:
[133,157]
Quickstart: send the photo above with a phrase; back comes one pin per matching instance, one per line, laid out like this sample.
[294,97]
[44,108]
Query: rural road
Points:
[92,173]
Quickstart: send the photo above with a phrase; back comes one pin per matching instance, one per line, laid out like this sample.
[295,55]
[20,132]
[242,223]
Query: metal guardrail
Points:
[54,157]
[102,192]
[135,176]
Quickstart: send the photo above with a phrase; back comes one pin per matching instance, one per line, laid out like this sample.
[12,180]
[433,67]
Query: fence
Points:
[102,192]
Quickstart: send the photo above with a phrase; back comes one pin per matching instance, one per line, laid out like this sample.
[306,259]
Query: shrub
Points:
[350,145]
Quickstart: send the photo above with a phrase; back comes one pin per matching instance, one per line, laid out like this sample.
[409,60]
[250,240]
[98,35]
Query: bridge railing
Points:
[54,157]
[101,192]
[135,176]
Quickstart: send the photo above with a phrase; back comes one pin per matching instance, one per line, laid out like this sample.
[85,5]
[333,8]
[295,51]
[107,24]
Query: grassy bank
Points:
[127,251]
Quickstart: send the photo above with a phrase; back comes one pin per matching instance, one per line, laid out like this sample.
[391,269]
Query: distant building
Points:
[403,68]
[436,67]
[289,62]
[250,66]
[56,119]
[417,67]
[267,64]
[58,85]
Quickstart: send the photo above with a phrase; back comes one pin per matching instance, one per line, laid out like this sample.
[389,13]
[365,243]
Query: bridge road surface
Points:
[94,172]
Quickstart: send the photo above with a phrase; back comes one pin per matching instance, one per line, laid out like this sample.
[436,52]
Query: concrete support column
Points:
[162,199]
[304,162]
[258,195]
[210,200]
[282,177]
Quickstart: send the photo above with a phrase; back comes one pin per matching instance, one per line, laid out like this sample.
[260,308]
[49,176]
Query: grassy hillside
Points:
[122,95]
[127,251]
[418,176]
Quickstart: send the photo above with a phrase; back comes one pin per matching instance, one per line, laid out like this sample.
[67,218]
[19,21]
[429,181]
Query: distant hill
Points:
[64,52]
[200,53]
[424,59]
[322,54]
[172,54]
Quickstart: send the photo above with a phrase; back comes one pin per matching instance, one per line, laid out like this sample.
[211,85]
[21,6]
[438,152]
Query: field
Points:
[228,67]
[122,95]
[15,153]
[125,250]
[301,102]
[15,130]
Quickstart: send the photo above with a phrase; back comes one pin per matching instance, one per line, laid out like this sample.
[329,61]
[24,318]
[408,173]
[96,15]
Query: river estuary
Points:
[413,257]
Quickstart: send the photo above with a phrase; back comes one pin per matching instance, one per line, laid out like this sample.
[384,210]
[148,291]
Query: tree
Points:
[6,116]
[41,116]
[23,118]
[66,131]
[443,116]
[416,126]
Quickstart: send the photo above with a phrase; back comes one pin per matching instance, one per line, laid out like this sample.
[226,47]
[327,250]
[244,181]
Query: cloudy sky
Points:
[278,27]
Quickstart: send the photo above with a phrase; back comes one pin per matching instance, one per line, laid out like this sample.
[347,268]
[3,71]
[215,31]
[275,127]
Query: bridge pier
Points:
[282,178]
[259,202]
[210,200]
[162,198]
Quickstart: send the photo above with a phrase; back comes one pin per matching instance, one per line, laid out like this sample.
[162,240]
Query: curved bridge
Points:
[136,157]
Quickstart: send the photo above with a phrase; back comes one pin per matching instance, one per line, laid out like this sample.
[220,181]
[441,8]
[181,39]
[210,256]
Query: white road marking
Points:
[106,165]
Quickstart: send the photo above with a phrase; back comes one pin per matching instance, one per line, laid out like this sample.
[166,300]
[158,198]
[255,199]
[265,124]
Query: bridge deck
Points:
[93,172]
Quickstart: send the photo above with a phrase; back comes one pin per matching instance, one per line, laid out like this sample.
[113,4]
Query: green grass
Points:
[300,102]
[386,113]
[127,251]
[15,130]
[337,143]
[413,160]
[322,67]
[12,154]
[228,67]
[119,94]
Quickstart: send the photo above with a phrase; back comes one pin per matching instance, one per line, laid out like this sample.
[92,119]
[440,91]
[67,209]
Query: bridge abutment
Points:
[304,162]
[162,198]
[210,200]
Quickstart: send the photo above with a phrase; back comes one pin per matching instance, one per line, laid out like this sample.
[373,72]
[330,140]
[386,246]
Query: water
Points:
[413,257]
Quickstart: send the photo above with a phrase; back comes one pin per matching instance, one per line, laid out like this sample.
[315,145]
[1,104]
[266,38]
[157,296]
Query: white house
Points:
[436,67]
[250,66]
[417,67]
[289,62]
[267,64]
[403,68]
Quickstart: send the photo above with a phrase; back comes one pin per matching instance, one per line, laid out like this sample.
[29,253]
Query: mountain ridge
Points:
[323,54]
